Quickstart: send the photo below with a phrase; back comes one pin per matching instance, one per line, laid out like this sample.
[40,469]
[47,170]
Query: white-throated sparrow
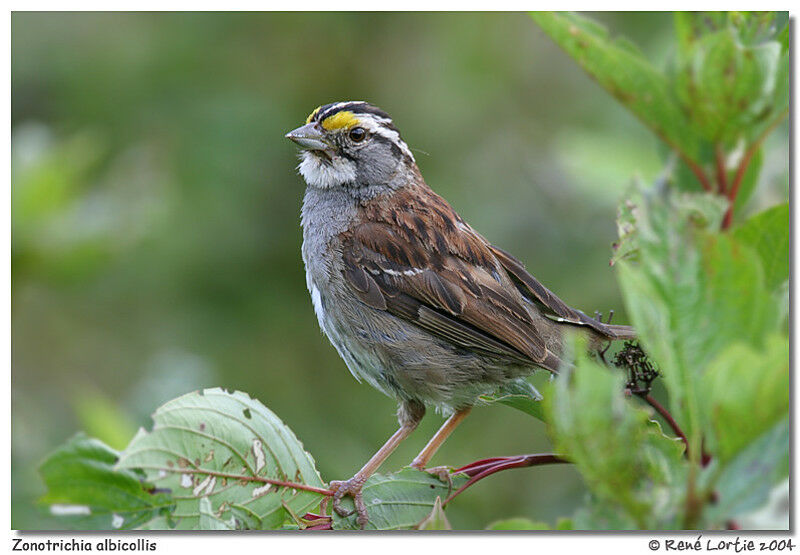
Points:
[417,303]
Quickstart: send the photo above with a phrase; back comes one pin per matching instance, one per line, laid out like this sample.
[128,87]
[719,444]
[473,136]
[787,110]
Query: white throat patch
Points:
[326,175]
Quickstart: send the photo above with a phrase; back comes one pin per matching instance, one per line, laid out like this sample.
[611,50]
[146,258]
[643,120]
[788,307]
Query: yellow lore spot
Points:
[313,114]
[340,120]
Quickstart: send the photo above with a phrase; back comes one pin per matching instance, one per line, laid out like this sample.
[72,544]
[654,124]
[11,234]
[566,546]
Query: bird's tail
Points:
[621,332]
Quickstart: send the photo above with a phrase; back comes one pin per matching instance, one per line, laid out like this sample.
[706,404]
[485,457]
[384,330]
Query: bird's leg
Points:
[409,415]
[421,460]
[599,318]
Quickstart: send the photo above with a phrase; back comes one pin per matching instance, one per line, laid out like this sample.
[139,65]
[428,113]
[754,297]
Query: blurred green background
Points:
[155,215]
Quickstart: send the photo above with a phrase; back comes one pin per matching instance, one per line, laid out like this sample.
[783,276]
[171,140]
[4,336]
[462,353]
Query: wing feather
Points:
[437,273]
[533,289]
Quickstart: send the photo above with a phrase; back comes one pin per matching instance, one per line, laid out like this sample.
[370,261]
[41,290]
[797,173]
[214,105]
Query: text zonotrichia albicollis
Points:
[417,303]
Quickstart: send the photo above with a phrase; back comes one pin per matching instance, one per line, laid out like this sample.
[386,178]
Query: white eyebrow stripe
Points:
[338,106]
[394,137]
[374,124]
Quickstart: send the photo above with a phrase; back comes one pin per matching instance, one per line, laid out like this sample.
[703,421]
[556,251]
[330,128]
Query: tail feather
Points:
[621,332]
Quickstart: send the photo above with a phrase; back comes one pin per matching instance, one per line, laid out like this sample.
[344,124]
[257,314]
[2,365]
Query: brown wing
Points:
[414,257]
[545,299]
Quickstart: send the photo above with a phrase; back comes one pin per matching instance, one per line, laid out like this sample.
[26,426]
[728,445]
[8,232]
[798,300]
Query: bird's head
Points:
[350,144]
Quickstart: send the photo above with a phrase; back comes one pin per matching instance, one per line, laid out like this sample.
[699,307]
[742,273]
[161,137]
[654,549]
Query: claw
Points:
[444,475]
[351,487]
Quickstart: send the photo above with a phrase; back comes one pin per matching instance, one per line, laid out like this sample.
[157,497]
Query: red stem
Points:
[722,175]
[668,417]
[737,182]
[479,470]
[705,457]
[697,171]
[740,171]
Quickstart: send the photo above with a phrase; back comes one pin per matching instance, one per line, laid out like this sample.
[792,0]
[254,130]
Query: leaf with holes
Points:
[229,449]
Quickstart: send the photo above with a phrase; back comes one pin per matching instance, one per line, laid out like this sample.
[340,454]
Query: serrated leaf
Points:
[624,73]
[625,461]
[685,297]
[398,501]
[518,394]
[768,233]
[436,520]
[745,483]
[211,444]
[87,492]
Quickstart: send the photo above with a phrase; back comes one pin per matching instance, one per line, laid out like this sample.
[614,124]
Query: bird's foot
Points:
[351,487]
[441,472]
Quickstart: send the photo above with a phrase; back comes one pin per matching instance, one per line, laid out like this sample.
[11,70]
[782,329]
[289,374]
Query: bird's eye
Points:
[357,134]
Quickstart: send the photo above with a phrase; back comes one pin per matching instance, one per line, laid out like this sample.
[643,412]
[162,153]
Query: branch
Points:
[479,470]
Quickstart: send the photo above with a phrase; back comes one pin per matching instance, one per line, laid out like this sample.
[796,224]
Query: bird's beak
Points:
[309,137]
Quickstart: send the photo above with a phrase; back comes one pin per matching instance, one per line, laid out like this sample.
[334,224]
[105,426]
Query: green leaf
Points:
[87,492]
[598,514]
[684,295]
[724,85]
[768,233]
[728,72]
[625,74]
[777,107]
[398,501]
[518,524]
[436,520]
[518,394]
[625,460]
[749,181]
[212,444]
[210,521]
[746,391]
[745,483]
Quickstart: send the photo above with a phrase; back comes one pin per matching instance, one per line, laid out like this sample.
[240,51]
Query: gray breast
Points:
[389,353]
